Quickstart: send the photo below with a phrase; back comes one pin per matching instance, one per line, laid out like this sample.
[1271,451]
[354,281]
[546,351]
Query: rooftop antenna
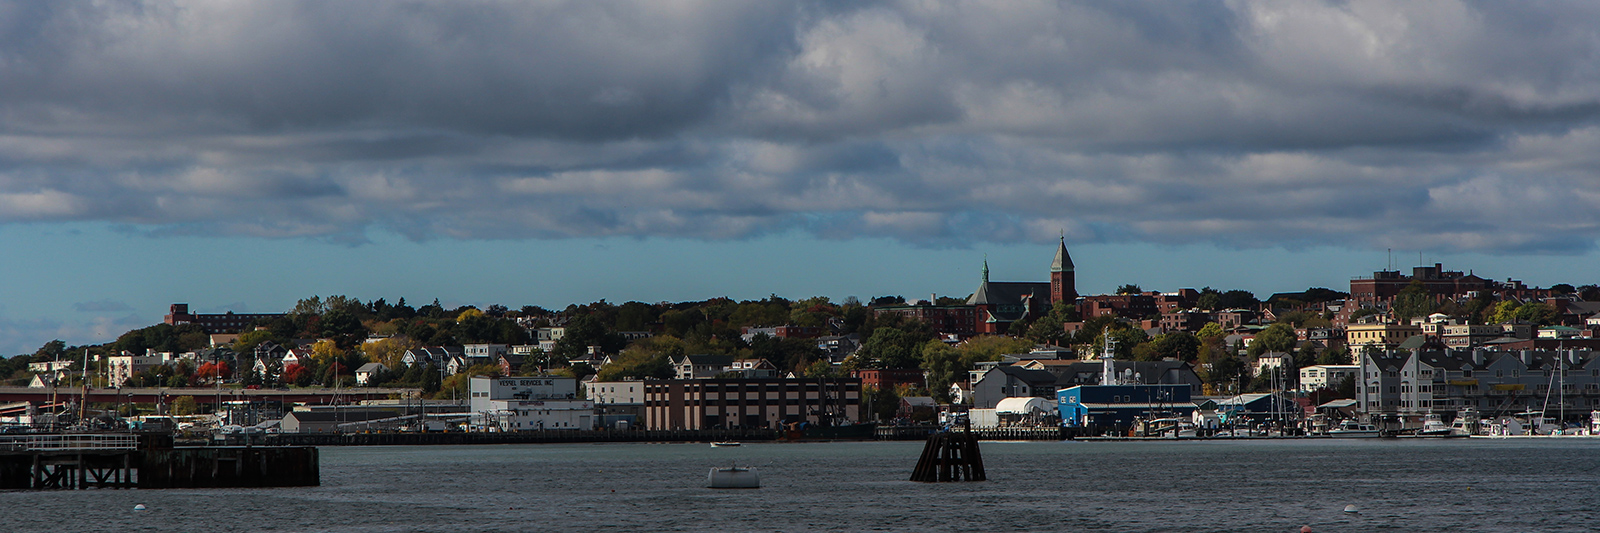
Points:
[1391,258]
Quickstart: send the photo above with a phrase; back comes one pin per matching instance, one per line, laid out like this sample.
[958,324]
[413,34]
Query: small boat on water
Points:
[1350,429]
[724,444]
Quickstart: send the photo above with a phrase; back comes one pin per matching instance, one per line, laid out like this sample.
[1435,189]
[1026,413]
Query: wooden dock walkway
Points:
[129,461]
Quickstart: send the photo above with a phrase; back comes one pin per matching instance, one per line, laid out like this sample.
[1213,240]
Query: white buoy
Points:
[733,478]
[139,507]
[1352,508]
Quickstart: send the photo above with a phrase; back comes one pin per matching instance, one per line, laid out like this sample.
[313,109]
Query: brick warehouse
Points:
[750,403]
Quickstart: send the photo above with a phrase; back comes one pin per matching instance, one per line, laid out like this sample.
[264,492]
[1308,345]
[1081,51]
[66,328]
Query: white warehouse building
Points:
[529,404]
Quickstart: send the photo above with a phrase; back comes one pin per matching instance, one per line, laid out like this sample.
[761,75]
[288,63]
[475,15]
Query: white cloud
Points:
[1452,125]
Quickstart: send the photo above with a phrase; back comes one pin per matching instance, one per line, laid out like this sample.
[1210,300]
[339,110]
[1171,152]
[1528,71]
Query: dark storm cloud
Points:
[1439,125]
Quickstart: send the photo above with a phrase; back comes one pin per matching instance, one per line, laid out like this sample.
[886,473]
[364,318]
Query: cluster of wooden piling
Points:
[950,456]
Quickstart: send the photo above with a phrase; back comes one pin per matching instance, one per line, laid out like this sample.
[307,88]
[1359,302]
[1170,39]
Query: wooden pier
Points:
[128,461]
[989,434]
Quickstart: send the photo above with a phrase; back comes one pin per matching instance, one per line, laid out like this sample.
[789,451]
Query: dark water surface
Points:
[1416,485]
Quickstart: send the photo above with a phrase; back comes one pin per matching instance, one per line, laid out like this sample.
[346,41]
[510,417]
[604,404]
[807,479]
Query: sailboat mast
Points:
[84,375]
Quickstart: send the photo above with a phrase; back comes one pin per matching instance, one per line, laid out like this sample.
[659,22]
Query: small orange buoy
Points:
[1305,529]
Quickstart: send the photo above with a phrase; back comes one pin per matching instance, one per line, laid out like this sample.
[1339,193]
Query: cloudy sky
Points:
[241,155]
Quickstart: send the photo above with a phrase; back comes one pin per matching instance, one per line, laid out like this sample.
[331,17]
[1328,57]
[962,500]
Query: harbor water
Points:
[1397,485]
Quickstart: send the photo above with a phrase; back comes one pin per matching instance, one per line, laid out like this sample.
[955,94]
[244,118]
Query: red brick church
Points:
[1000,303]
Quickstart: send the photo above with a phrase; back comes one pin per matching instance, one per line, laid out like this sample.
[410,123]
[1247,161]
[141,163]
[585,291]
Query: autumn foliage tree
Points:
[212,371]
[296,374]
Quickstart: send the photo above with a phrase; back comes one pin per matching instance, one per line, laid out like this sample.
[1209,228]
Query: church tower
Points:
[1063,282]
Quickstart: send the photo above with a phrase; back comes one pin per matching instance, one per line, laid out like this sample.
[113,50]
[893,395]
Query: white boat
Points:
[1434,426]
[724,444]
[1350,429]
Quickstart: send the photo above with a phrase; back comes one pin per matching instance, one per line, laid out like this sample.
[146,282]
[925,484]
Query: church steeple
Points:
[1063,262]
[986,270]
[1063,282]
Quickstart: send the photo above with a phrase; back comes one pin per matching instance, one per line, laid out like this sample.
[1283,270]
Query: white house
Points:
[364,374]
[1326,376]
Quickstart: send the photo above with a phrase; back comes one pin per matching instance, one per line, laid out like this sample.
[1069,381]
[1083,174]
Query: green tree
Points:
[944,366]
[1413,301]
[892,348]
[1278,337]
[1211,330]
[1177,345]
[585,331]
[1334,355]
[885,402]
[1225,372]
[1539,313]
[820,368]
[635,316]
[185,405]
[991,347]
[51,351]
[1048,329]
[1130,289]
[1505,311]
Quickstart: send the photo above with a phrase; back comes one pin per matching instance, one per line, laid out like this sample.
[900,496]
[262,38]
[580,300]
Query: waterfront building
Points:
[329,421]
[1410,383]
[1001,382]
[617,404]
[1164,372]
[1116,406]
[528,404]
[750,403]
[1259,408]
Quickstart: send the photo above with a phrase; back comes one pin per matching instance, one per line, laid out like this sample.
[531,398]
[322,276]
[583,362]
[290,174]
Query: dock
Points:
[135,461]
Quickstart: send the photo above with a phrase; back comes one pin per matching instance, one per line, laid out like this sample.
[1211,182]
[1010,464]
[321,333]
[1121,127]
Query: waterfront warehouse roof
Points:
[1024,406]
[1337,404]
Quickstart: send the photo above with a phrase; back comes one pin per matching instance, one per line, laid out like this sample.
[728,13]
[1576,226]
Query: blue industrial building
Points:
[1106,406]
